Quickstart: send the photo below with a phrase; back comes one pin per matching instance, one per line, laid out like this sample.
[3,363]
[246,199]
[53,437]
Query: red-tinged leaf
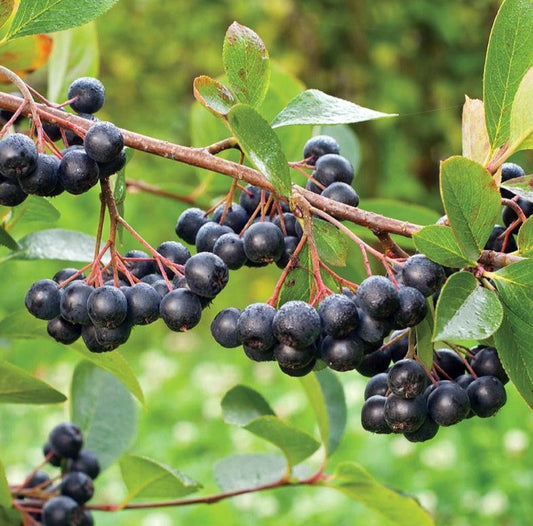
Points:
[25,55]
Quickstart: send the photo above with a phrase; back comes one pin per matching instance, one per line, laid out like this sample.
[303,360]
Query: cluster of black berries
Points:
[104,316]
[401,401]
[64,503]
[347,330]
[499,241]
[333,173]
[24,171]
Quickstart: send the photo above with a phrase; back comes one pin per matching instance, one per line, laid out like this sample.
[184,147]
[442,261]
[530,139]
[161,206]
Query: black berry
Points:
[90,95]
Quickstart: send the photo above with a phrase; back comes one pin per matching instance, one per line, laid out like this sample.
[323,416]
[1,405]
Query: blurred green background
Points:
[415,58]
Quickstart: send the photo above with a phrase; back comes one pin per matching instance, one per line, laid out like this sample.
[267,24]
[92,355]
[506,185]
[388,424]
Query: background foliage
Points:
[417,59]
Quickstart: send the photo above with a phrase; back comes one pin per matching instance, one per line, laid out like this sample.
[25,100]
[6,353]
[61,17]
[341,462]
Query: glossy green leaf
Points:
[513,339]
[19,387]
[332,244]
[213,95]
[520,186]
[114,363]
[509,56]
[424,333]
[525,238]
[246,408]
[316,107]
[36,210]
[5,494]
[474,134]
[261,145]
[438,243]
[105,411]
[239,472]
[521,135]
[10,517]
[465,310]
[66,245]
[148,479]
[7,241]
[355,482]
[246,64]
[74,55]
[47,16]
[326,396]
[471,200]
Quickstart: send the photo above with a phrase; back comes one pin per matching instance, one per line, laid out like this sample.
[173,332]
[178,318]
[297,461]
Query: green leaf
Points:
[6,7]
[355,482]
[246,64]
[521,186]
[326,396]
[114,363]
[525,238]
[332,244]
[146,478]
[465,310]
[261,145]
[5,494]
[509,56]
[471,200]
[10,517]
[239,472]
[438,243]
[47,16]
[513,339]
[7,240]
[521,134]
[105,411]
[22,325]
[474,131]
[74,55]
[19,387]
[65,245]
[316,107]
[246,408]
[424,332]
[213,95]
[36,209]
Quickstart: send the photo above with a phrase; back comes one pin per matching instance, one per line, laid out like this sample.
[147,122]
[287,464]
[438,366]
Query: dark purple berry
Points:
[78,173]
[43,299]
[89,93]
[487,395]
[188,224]
[18,156]
[423,274]
[448,403]
[373,415]
[296,324]
[342,193]
[250,198]
[61,511]
[319,145]
[487,363]
[405,415]
[374,362]
[230,249]
[143,304]
[235,216]
[63,331]
[448,364]
[224,327]
[208,234]
[78,486]
[254,327]
[66,440]
[263,242]
[206,274]
[331,168]
[180,309]
[73,304]
[342,354]
[412,310]
[407,379]
[86,462]
[11,194]
[339,315]
[425,432]
[378,297]
[377,385]
[103,142]
[44,179]
[107,307]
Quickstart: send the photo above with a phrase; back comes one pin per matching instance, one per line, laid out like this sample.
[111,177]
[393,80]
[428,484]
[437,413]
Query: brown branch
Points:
[155,190]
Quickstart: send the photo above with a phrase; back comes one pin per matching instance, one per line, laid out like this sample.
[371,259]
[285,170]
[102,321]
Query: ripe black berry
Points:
[319,145]
[487,363]
[175,252]
[140,265]
[113,166]
[289,247]
[377,385]
[224,327]
[208,234]
[341,192]
[291,358]
[44,180]
[298,372]
[78,173]
[251,197]
[448,364]
[63,331]
[263,242]
[254,327]
[53,458]
[371,330]
[18,156]
[423,274]
[206,274]
[378,297]
[103,142]
[235,216]
[90,95]
[143,304]
[188,224]
[407,379]
[425,432]
[180,309]
[112,337]
[405,415]
[61,511]
[296,324]
[86,462]
[93,344]
[373,415]
[448,403]
[374,362]
[509,216]
[290,225]
[496,239]
[11,194]
[487,395]
[331,168]
[73,304]
[510,171]
[412,310]
[107,306]
[78,486]
[66,440]
[343,354]
[230,249]
[39,478]
[339,315]
[43,299]
[398,349]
